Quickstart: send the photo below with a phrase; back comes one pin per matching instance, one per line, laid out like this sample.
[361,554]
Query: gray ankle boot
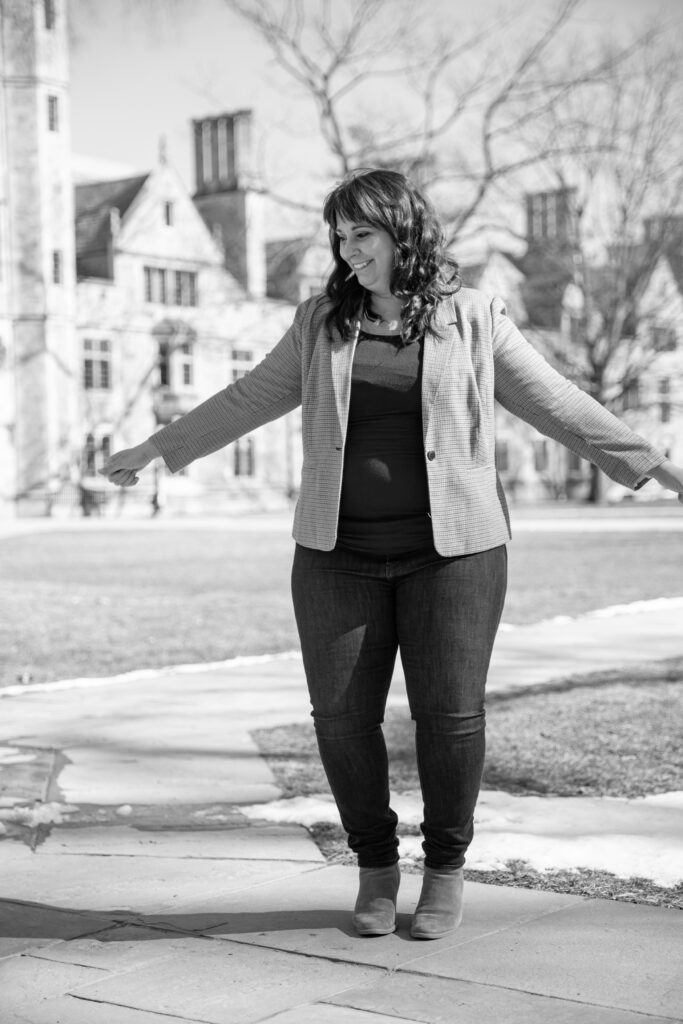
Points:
[439,909]
[375,910]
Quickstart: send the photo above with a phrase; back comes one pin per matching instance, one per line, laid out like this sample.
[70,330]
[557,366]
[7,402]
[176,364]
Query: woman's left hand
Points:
[669,475]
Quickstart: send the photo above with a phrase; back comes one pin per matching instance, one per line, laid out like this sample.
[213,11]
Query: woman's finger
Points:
[123,477]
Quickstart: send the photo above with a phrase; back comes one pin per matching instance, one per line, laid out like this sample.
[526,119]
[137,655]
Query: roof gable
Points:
[93,206]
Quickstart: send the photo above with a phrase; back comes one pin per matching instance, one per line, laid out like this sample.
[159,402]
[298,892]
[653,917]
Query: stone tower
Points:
[226,198]
[549,264]
[37,261]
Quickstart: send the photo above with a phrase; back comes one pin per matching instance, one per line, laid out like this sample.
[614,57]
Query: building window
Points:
[502,456]
[577,328]
[244,463]
[551,215]
[155,285]
[53,113]
[49,11]
[168,214]
[186,365]
[164,364]
[96,365]
[631,395]
[665,400]
[218,234]
[540,456]
[663,339]
[544,215]
[185,288]
[56,266]
[574,463]
[95,452]
[242,361]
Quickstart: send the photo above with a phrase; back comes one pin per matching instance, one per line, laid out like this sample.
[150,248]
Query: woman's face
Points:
[369,251]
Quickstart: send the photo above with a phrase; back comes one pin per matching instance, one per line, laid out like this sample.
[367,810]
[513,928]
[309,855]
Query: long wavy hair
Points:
[423,273]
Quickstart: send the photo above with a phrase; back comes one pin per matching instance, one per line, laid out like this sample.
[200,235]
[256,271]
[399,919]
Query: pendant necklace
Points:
[377,318]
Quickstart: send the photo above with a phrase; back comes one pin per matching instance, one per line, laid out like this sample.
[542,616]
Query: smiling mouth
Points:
[361,266]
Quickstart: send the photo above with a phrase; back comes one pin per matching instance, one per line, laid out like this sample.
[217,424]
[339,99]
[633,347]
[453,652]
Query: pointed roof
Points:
[94,203]
[675,259]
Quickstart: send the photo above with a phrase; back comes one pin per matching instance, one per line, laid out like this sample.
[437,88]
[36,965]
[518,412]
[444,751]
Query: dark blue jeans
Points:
[353,613]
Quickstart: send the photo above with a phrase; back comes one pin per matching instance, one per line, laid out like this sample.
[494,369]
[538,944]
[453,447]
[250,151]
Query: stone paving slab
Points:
[225,983]
[14,946]
[312,916]
[98,775]
[440,1001]
[143,885]
[25,981]
[597,951]
[114,950]
[327,1013]
[75,1010]
[269,842]
[25,925]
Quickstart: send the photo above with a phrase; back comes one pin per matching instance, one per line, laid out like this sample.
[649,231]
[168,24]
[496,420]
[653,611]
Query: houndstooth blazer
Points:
[479,355]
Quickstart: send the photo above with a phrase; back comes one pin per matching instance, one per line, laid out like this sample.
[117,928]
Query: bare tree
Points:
[450,105]
[622,179]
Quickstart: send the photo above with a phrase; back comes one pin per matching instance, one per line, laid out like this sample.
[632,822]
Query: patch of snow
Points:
[14,755]
[641,837]
[656,604]
[38,814]
[674,799]
[149,673]
[582,524]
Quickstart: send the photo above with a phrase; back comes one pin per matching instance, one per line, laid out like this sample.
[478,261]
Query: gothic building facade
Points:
[123,303]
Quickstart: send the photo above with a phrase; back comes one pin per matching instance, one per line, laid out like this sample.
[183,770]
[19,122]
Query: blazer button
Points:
[431,455]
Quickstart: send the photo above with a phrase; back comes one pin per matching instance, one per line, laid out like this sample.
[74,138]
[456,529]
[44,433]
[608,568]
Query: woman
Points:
[401,523]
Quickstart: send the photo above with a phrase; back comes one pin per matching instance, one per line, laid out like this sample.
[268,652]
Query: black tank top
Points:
[385,501]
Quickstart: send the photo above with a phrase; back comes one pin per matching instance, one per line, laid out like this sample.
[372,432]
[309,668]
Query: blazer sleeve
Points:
[270,390]
[529,387]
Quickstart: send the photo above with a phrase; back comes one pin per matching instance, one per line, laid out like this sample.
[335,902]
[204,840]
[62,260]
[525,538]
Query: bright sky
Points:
[145,68]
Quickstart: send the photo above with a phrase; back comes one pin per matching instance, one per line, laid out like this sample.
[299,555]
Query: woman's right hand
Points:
[122,467]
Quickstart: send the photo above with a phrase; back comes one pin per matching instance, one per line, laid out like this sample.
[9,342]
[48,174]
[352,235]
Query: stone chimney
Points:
[551,218]
[227,198]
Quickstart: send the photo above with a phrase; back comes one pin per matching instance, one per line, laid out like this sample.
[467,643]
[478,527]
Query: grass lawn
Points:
[103,601]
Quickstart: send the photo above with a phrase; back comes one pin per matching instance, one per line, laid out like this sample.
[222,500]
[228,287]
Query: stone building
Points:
[123,303]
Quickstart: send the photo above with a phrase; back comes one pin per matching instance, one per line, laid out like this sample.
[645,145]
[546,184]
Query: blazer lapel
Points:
[437,352]
[341,356]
